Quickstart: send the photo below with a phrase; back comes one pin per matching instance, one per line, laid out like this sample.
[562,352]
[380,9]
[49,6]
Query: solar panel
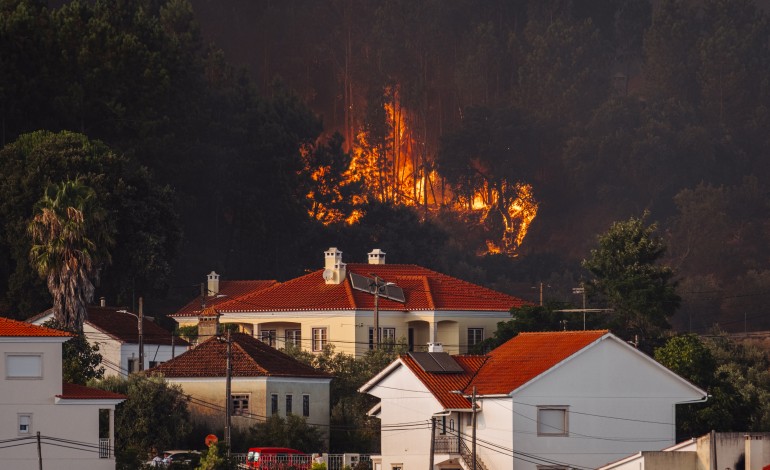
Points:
[446,362]
[387,290]
[359,282]
[436,362]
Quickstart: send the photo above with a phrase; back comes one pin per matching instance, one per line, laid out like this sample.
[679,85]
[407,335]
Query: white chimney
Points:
[334,269]
[435,347]
[212,284]
[376,256]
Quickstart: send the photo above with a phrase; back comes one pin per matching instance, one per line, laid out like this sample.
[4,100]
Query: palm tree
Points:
[70,236]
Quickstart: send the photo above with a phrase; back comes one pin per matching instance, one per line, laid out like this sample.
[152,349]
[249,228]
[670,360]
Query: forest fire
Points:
[392,166]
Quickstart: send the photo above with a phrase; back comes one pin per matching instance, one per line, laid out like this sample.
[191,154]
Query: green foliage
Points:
[154,415]
[292,431]
[140,214]
[80,360]
[628,277]
[71,235]
[215,458]
[189,332]
[318,466]
[525,318]
[351,429]
[736,376]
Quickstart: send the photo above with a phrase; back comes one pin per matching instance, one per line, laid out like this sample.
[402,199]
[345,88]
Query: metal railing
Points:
[333,461]
[446,445]
[105,448]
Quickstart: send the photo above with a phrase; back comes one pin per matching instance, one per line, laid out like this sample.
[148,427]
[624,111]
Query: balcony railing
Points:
[105,448]
[446,445]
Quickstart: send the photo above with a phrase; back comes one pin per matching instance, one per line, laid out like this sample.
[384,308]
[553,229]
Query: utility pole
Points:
[39,452]
[228,398]
[432,441]
[473,436]
[140,317]
[376,335]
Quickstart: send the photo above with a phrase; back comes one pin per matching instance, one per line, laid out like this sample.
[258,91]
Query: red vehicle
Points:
[278,458]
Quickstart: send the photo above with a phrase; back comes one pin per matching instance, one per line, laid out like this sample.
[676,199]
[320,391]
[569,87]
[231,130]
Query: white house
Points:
[555,400]
[264,382]
[720,450]
[66,426]
[342,304]
[116,332]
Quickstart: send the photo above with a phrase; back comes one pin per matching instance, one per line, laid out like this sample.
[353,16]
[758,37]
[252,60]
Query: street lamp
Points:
[140,320]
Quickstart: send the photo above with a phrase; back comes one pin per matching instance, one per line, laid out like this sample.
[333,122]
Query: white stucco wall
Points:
[77,422]
[619,403]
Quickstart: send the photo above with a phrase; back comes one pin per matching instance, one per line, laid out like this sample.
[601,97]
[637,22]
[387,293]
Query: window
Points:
[153,364]
[25,423]
[274,403]
[24,366]
[387,336]
[268,337]
[552,421]
[319,339]
[289,401]
[294,338]
[443,425]
[239,404]
[133,365]
[475,336]
[306,405]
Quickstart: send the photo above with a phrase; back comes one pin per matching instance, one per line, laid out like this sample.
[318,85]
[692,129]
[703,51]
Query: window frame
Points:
[19,417]
[273,403]
[40,372]
[305,405]
[387,336]
[564,432]
[268,337]
[293,337]
[319,342]
[243,399]
[473,341]
[289,404]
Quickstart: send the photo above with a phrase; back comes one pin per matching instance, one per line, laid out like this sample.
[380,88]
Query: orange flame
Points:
[394,171]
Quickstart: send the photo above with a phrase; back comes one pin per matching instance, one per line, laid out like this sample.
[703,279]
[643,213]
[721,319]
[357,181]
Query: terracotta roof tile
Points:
[506,368]
[125,327]
[10,327]
[442,385]
[228,290]
[250,358]
[81,392]
[424,289]
[528,355]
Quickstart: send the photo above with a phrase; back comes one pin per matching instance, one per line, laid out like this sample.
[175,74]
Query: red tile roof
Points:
[442,385]
[81,392]
[228,290]
[528,355]
[250,358]
[125,327]
[506,368]
[424,289]
[10,327]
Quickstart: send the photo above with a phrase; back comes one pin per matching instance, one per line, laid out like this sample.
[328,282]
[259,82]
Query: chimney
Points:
[208,323]
[212,284]
[435,347]
[102,302]
[377,256]
[334,269]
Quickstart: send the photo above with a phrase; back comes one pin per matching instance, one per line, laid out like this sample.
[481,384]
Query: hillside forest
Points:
[492,140]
